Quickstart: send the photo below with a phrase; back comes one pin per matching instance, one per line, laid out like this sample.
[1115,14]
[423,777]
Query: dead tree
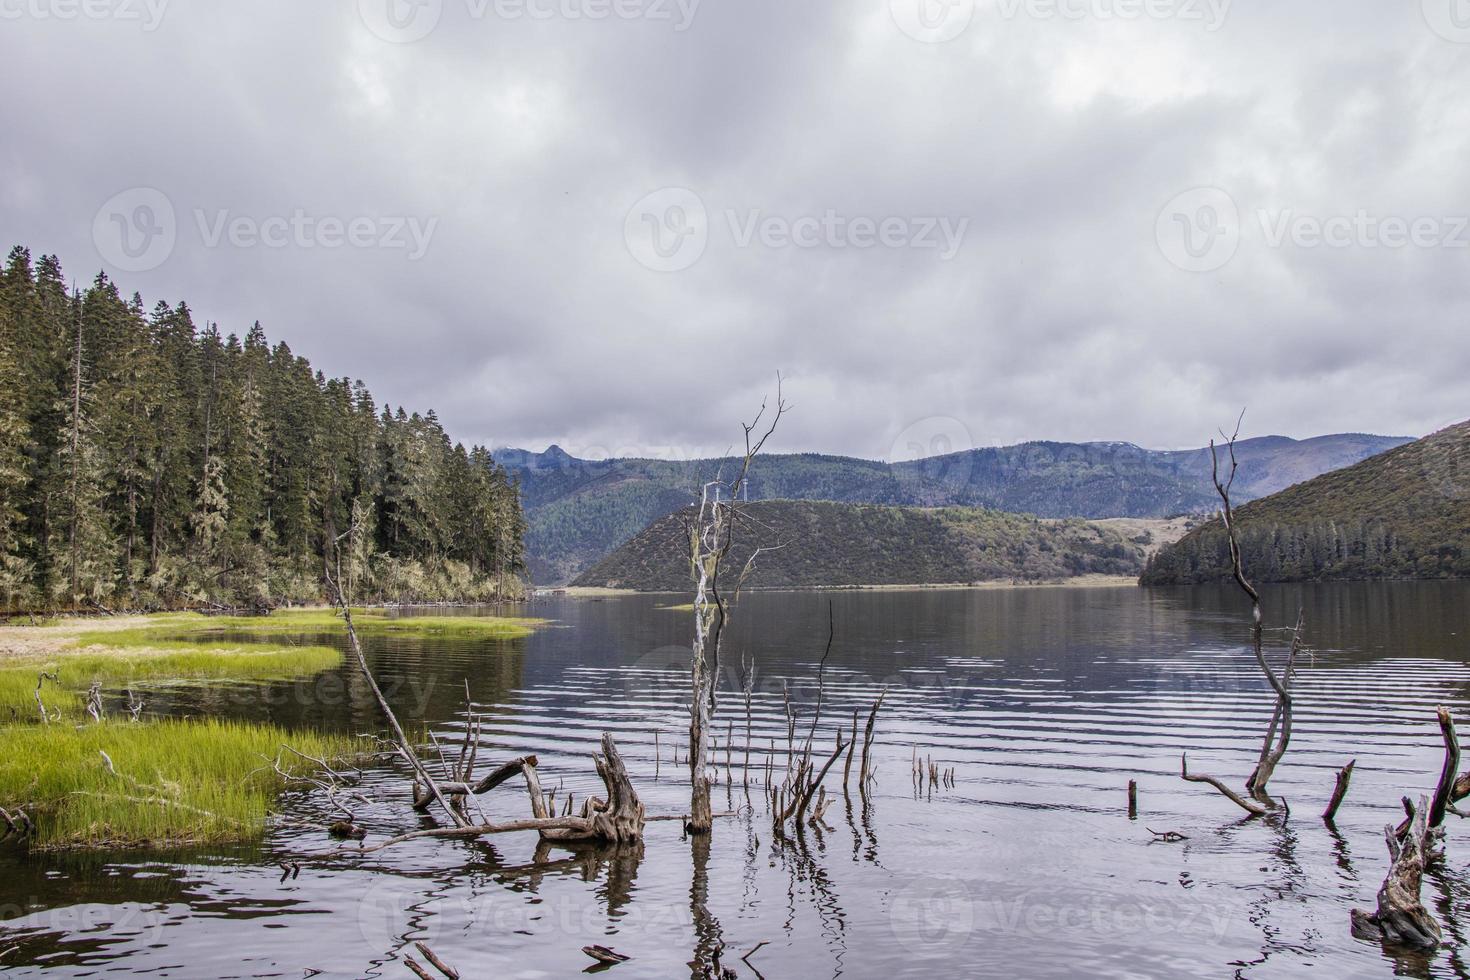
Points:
[1278,731]
[1401,920]
[618,818]
[711,535]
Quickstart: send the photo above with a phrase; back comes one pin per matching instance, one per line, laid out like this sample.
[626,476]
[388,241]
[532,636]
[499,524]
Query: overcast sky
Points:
[609,223]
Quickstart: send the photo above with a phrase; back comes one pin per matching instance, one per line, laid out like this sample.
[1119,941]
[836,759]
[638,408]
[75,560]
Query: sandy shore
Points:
[43,642]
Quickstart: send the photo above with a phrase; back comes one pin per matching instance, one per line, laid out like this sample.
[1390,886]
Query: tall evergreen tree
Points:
[147,462]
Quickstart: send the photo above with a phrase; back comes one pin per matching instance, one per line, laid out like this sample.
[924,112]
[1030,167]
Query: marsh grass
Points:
[125,658]
[174,783]
[377,622]
[192,647]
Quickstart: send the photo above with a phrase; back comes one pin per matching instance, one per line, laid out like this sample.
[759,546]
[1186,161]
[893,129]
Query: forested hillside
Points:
[146,460]
[579,510]
[1404,514]
[828,544]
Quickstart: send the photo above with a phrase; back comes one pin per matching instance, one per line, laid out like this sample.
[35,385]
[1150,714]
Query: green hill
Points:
[831,544]
[579,510]
[1403,514]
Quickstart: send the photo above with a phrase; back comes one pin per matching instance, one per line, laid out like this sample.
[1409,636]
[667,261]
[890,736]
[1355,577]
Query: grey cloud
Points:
[529,321]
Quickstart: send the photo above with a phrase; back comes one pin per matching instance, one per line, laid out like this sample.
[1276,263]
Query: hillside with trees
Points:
[147,461]
[579,510]
[1402,515]
[819,544]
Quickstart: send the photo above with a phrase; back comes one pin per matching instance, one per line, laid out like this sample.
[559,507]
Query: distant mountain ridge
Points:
[1402,514]
[580,510]
[821,544]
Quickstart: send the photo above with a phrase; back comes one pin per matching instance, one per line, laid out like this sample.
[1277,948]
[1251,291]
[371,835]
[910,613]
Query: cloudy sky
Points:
[609,223]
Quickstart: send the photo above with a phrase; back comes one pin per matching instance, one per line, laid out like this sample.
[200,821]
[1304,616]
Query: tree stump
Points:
[1401,919]
[617,819]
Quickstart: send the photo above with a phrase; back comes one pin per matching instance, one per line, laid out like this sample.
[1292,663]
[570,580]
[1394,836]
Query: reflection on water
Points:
[1044,702]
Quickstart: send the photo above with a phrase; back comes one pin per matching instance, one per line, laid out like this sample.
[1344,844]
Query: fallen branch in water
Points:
[1344,777]
[1249,806]
[439,964]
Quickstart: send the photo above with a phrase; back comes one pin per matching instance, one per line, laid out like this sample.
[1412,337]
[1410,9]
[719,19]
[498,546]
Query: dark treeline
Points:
[1402,514]
[145,461]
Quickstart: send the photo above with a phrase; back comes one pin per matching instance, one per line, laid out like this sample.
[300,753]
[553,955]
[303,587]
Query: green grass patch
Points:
[367,622]
[173,783]
[153,654]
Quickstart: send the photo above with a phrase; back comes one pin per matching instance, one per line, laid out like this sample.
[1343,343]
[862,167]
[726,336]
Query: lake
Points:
[1045,703]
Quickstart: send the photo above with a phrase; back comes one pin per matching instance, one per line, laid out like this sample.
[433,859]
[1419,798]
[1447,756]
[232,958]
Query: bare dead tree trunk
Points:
[1401,919]
[710,538]
[1278,731]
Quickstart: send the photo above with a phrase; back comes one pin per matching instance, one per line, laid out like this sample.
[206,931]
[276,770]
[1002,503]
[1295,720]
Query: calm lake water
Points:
[1045,702]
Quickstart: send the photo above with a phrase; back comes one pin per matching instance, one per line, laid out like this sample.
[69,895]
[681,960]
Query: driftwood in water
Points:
[1401,920]
[1278,731]
[1344,777]
[1249,806]
[617,819]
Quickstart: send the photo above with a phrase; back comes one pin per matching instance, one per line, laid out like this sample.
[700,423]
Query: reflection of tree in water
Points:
[614,867]
[806,869]
[1449,882]
[1286,883]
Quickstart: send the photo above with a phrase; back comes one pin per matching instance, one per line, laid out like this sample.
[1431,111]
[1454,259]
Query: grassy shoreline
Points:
[168,782]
